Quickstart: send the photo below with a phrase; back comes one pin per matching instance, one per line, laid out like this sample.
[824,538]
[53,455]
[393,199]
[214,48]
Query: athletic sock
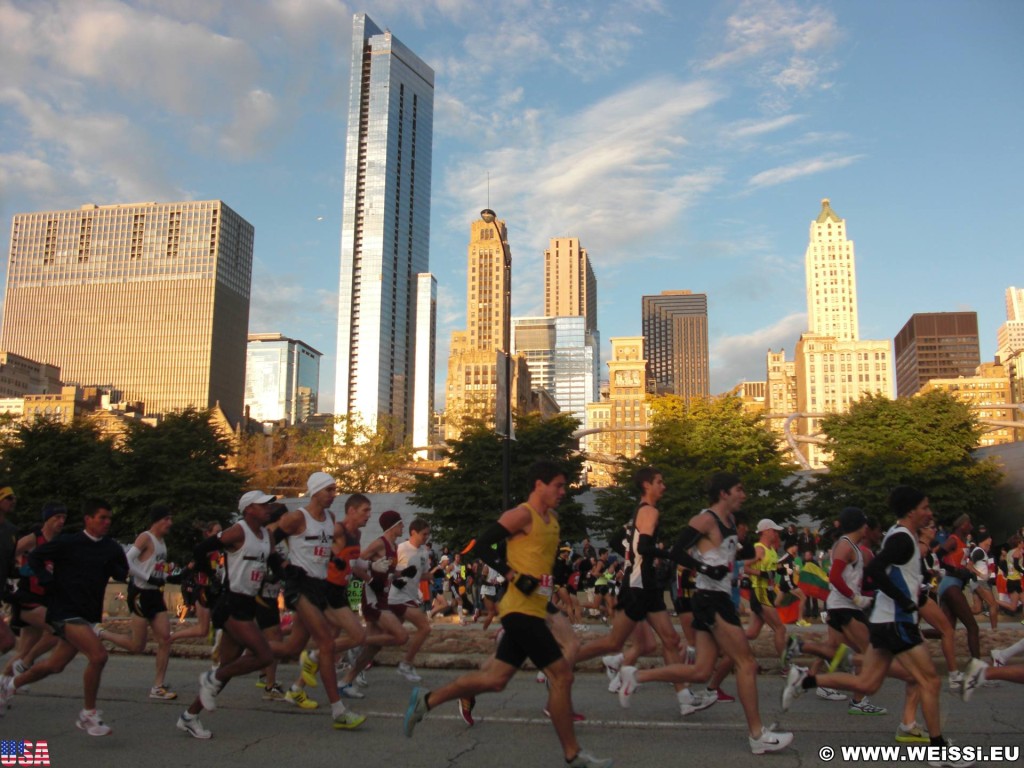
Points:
[811,681]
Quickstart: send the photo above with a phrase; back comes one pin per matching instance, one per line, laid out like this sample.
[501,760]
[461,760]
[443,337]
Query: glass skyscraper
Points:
[385,230]
[282,378]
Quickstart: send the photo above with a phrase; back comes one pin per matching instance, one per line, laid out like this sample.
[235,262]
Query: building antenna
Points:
[488,189]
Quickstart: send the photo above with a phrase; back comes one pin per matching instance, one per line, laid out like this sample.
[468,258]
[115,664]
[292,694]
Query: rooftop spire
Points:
[827,213]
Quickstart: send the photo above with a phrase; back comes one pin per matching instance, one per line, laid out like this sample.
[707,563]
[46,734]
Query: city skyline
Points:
[683,144]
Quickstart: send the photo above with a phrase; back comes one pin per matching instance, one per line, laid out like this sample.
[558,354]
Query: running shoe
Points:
[792,650]
[911,734]
[576,716]
[349,691]
[865,707]
[691,701]
[587,760]
[973,677]
[616,684]
[541,677]
[842,660]
[723,697]
[7,691]
[361,680]
[300,699]
[956,681]
[830,694]
[770,741]
[161,692]
[209,687]
[466,709]
[948,762]
[803,623]
[261,681]
[629,686]
[998,660]
[273,693]
[19,667]
[347,720]
[309,669]
[612,664]
[416,709]
[190,724]
[408,671]
[793,690]
[92,723]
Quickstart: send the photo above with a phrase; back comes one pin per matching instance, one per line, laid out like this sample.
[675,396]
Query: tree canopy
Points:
[689,443]
[467,494]
[924,441]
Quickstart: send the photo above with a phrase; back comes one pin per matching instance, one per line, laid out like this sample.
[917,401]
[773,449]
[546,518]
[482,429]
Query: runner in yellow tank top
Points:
[531,530]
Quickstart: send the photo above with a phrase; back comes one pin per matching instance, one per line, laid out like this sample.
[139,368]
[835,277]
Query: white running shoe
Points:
[616,684]
[209,687]
[793,690]
[541,677]
[950,763]
[998,659]
[408,671]
[629,686]
[19,667]
[770,741]
[973,677]
[612,664]
[830,694]
[956,681]
[587,760]
[190,724]
[7,691]
[92,723]
[349,691]
[690,701]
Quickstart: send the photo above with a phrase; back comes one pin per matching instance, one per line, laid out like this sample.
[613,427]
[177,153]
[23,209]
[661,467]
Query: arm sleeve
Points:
[134,566]
[646,546]
[680,553]
[835,578]
[746,552]
[202,552]
[896,551]
[492,555]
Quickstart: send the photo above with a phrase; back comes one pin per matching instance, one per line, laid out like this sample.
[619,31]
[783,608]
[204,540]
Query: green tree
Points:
[924,441]
[466,494]
[181,463]
[49,461]
[689,443]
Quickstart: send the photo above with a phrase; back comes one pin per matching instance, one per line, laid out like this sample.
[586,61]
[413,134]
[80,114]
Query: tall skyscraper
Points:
[936,345]
[385,230]
[560,354]
[476,371]
[282,378]
[426,354]
[834,366]
[149,298]
[570,287]
[675,328]
[1010,336]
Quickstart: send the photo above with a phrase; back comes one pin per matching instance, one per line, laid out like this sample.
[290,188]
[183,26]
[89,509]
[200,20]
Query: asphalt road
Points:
[511,730]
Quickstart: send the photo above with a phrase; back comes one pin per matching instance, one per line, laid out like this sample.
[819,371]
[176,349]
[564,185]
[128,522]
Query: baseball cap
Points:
[52,509]
[317,482]
[389,520]
[254,497]
[765,524]
[6,492]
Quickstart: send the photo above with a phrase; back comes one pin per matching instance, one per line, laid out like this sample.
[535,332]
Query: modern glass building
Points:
[562,356]
[282,378]
[151,299]
[675,327]
[385,229]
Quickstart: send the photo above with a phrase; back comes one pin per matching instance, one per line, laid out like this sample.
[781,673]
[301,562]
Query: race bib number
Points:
[546,586]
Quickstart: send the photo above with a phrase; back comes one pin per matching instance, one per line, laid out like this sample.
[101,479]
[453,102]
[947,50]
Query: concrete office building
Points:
[570,287]
[385,231]
[1010,335]
[935,345]
[675,328]
[282,378]
[20,376]
[149,298]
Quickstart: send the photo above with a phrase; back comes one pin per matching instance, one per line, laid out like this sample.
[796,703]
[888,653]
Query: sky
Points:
[687,144]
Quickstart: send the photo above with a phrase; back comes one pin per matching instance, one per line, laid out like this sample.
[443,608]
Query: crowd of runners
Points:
[348,599]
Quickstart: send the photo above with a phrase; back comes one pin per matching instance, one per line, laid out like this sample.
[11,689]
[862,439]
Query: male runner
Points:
[531,530]
[82,564]
[147,559]
[709,544]
[405,599]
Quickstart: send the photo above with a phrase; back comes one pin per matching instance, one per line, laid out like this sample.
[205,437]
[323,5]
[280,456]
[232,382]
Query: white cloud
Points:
[801,168]
[741,357]
[745,129]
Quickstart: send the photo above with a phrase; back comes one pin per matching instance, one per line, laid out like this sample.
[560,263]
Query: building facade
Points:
[935,345]
[20,376]
[1010,335]
[570,287]
[385,230]
[282,378]
[561,355]
[834,367]
[423,434]
[149,298]
[622,419]
[675,328]
[987,392]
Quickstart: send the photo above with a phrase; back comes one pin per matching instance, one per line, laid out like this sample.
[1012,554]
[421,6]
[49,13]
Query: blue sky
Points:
[688,145]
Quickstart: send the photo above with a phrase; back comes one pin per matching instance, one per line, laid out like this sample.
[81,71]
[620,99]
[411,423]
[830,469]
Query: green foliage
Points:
[688,444]
[467,494]
[49,461]
[924,441]
[181,463]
